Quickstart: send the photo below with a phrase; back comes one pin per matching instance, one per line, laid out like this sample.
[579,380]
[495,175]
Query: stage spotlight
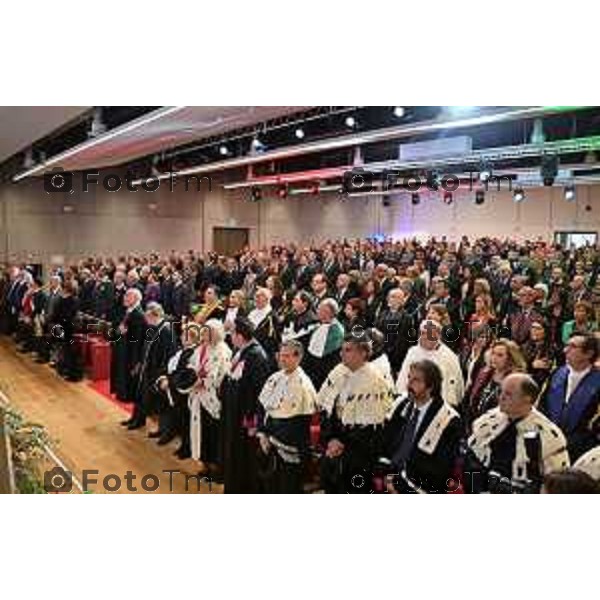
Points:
[549,169]
[350,122]
[518,195]
[415,198]
[154,172]
[399,111]
[479,197]
[223,150]
[28,162]
[448,198]
[299,133]
[256,194]
[282,192]
[432,181]
[257,145]
[569,193]
[485,172]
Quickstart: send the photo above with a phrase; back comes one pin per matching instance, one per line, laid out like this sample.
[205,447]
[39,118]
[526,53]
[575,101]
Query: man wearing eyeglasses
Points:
[572,399]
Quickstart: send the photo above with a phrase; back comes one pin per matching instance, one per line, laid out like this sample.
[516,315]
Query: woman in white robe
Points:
[205,405]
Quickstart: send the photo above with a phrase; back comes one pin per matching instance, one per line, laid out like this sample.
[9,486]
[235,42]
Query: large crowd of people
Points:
[349,366]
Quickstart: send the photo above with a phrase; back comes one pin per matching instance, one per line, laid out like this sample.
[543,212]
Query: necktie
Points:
[519,330]
[408,438]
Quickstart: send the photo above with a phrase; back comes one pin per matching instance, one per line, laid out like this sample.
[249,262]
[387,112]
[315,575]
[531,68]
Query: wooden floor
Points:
[85,428]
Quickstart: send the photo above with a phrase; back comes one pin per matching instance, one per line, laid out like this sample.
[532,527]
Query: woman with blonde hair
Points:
[505,358]
[450,335]
[214,362]
[236,307]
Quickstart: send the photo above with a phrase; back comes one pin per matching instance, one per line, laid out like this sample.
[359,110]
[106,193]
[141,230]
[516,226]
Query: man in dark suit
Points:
[399,329]
[14,297]
[520,322]
[159,346]
[104,294]
[87,292]
[345,289]
[572,398]
[181,298]
[423,436]
[48,347]
[127,350]
[412,305]
[441,295]
[240,408]
[287,272]
[230,278]
[320,289]
[304,273]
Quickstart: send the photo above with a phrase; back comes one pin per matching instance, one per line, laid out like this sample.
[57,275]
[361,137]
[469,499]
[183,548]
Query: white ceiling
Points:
[20,126]
[164,129]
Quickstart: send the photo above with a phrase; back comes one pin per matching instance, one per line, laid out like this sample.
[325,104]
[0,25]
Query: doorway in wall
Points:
[575,238]
[228,241]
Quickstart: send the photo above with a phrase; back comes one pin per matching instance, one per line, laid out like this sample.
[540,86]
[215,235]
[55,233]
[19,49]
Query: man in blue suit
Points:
[572,398]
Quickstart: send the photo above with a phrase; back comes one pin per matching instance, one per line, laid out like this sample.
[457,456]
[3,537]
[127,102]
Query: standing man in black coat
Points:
[47,349]
[240,409]
[104,294]
[181,298]
[423,436]
[159,346]
[399,329]
[87,292]
[69,364]
[127,350]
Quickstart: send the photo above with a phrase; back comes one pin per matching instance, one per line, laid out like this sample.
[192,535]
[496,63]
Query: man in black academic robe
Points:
[423,435]
[159,346]
[176,385]
[104,295]
[399,329]
[239,395]
[87,292]
[300,323]
[126,352]
[69,364]
[48,348]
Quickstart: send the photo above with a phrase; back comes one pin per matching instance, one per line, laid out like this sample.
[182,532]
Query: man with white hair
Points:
[513,446]
[159,346]
[126,356]
[431,347]
[265,325]
[323,351]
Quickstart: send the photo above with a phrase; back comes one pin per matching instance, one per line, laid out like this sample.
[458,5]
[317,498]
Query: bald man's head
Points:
[518,395]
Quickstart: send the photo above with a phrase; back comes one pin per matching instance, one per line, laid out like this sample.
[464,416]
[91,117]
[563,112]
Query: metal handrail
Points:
[7,473]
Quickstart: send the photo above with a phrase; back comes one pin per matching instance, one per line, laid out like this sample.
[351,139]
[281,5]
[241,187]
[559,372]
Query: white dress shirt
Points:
[422,410]
[258,315]
[574,380]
